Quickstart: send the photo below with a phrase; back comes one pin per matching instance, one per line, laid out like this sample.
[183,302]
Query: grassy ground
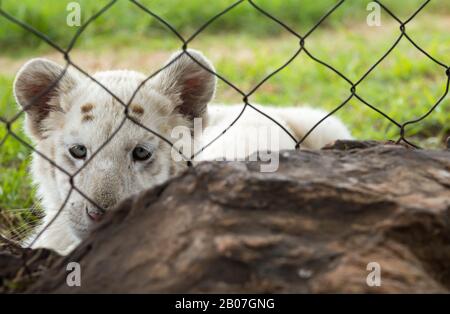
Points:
[49,16]
[404,86]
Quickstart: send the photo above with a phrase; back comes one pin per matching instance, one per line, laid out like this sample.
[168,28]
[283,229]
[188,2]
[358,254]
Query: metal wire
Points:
[302,40]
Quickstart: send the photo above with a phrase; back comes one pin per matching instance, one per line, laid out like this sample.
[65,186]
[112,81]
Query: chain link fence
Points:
[247,105]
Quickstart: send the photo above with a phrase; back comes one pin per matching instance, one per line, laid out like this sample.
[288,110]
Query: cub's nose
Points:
[95,214]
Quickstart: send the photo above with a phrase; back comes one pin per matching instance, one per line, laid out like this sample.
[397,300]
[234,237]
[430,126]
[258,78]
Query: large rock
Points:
[312,226]
[19,267]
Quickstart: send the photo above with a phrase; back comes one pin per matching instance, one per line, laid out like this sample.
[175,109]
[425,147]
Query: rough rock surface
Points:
[311,227]
[20,267]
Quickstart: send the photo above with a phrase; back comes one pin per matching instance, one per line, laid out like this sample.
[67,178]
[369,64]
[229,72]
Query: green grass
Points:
[245,47]
[49,17]
[16,193]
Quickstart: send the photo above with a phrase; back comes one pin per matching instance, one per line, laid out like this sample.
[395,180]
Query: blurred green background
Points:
[186,16]
[245,46]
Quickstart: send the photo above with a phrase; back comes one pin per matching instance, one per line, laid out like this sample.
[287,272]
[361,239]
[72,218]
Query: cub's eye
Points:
[78,151]
[141,153]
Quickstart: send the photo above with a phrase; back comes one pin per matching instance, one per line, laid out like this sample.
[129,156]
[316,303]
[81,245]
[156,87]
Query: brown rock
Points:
[20,267]
[312,226]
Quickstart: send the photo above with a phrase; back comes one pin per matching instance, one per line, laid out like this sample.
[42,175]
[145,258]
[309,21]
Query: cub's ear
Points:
[36,89]
[190,86]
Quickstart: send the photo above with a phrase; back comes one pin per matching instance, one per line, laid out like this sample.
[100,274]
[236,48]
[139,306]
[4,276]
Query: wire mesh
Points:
[247,105]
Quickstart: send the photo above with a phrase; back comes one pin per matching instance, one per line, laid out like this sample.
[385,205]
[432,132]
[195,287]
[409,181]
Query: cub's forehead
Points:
[109,86]
[101,111]
[118,89]
[94,125]
[94,113]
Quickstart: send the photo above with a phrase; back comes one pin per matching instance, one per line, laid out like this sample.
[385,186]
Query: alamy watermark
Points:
[74,17]
[373,279]
[247,143]
[73,278]
[374,17]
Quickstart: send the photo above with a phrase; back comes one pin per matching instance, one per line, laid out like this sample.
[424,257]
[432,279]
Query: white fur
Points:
[173,98]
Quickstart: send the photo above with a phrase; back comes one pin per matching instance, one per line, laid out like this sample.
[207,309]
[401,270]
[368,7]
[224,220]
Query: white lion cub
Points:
[69,122]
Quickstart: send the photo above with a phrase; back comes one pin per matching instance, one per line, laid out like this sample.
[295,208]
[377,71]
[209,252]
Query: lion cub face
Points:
[83,129]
